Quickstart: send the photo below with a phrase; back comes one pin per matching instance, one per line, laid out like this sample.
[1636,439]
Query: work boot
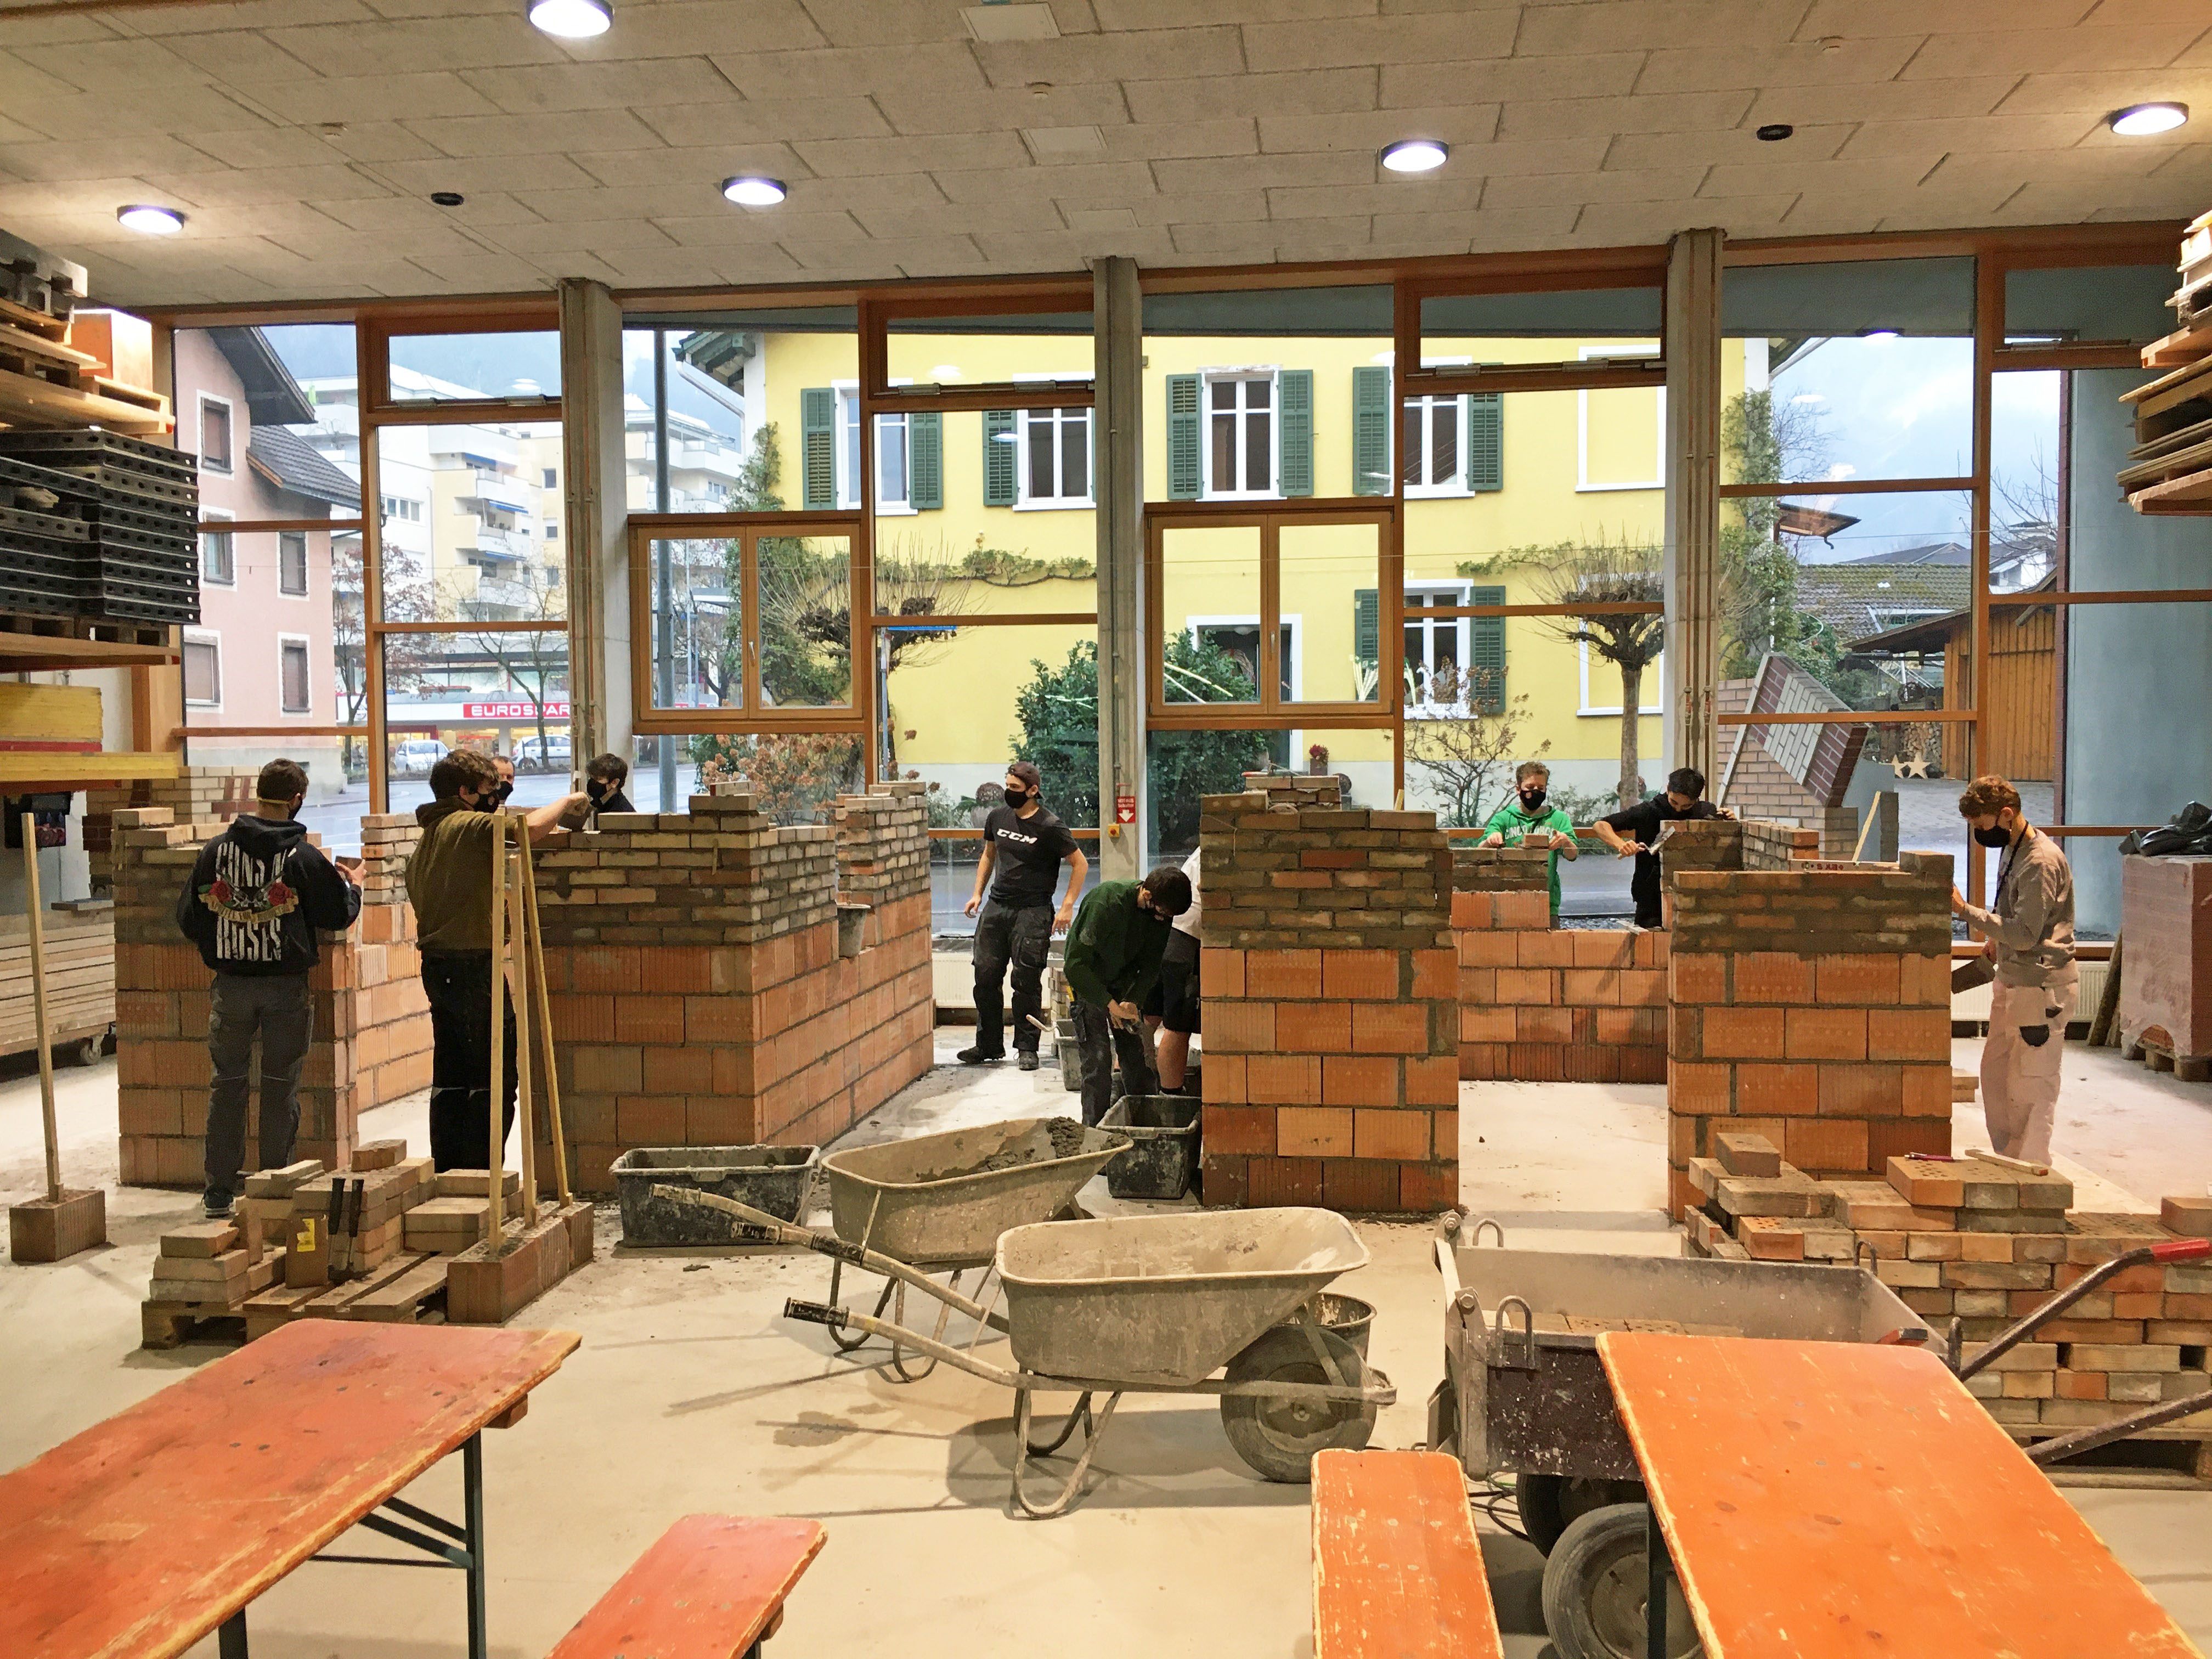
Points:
[1028,1060]
[977,1057]
[216,1204]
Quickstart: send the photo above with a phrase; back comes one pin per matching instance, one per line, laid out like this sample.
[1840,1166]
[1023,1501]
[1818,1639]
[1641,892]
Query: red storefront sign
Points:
[513,711]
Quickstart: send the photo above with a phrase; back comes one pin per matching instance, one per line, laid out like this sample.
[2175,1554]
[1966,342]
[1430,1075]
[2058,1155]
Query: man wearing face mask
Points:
[504,791]
[1023,847]
[1642,823]
[1529,820]
[2030,928]
[602,781]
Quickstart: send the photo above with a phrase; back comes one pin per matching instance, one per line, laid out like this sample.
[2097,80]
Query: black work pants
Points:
[1101,1041]
[280,1010]
[1020,936]
[458,987]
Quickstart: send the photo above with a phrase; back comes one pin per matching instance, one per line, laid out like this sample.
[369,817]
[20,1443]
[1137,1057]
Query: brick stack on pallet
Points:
[197,794]
[1985,1244]
[202,1271]
[1332,1075]
[1809,1003]
[2165,971]
[699,995]
[1544,1004]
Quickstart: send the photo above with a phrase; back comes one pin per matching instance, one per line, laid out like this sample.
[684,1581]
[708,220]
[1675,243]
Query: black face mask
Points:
[1018,798]
[1532,799]
[500,793]
[597,790]
[1998,837]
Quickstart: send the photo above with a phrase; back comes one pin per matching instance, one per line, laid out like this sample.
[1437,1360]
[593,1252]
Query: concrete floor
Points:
[691,1393]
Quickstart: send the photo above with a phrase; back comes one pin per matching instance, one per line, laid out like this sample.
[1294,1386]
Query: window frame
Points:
[306,588]
[229,539]
[1272,373]
[1583,484]
[228,466]
[852,415]
[210,639]
[1425,404]
[1653,671]
[1027,422]
[1455,593]
[286,643]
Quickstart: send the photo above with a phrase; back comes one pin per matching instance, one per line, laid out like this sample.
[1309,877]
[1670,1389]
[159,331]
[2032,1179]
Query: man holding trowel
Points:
[1113,961]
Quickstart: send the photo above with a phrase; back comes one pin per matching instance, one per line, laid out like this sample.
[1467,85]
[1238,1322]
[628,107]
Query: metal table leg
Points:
[472,1520]
[439,1542]
[230,1639]
[1658,1574]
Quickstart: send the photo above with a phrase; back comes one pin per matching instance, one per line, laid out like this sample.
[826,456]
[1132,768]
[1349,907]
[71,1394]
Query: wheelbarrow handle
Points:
[844,1318]
[2171,1249]
[2181,1250]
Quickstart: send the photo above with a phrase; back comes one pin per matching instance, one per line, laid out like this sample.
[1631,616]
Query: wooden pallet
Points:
[2187,1068]
[409,1288]
[2160,1460]
[172,1324]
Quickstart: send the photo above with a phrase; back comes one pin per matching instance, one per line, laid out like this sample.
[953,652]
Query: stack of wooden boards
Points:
[49,377]
[80,963]
[1985,1243]
[2170,468]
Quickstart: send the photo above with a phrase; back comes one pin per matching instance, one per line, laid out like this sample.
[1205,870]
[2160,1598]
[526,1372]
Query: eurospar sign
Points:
[513,711]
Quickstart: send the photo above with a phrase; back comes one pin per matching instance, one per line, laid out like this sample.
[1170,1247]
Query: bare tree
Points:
[533,658]
[407,657]
[1610,573]
[1464,761]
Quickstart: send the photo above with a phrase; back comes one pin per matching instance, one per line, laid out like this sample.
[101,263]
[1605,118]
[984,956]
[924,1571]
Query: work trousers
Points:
[1019,935]
[278,1008]
[2020,1079]
[1100,1041]
[458,987]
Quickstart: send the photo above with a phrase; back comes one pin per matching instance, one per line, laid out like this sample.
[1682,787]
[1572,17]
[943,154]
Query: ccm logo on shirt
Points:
[1016,834]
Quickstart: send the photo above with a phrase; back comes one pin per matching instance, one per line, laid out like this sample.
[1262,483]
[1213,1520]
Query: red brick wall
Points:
[1329,1006]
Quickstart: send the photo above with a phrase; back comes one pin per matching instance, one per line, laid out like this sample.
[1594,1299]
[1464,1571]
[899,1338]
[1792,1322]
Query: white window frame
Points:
[849,416]
[1050,421]
[1207,379]
[210,637]
[1456,484]
[1652,672]
[284,641]
[306,567]
[1294,621]
[216,514]
[1583,484]
[228,468]
[1457,593]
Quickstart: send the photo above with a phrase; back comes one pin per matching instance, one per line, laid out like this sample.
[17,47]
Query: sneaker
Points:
[217,1206]
[1028,1060]
[977,1057]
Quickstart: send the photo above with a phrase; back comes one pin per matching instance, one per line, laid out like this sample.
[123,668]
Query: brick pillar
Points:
[1330,1009]
[391,1045]
[197,794]
[162,1011]
[1811,1005]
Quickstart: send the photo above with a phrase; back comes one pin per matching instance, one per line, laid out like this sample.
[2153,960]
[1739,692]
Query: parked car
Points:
[550,753]
[414,757]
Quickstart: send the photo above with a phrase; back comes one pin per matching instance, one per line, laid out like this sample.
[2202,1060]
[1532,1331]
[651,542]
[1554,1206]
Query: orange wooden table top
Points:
[142,1534]
[709,1588]
[1397,1571]
[1832,1500]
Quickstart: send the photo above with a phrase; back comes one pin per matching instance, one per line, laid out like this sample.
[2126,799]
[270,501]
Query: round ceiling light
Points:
[447,198]
[150,220]
[1415,155]
[2142,120]
[753,192]
[572,20]
[1774,132]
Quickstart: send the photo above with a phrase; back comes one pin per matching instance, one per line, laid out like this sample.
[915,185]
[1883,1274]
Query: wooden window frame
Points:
[1043,297]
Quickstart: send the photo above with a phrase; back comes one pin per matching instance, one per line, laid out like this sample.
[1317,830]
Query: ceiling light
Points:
[1414,155]
[447,198]
[150,220]
[1877,334]
[753,192]
[2142,120]
[1775,131]
[573,20]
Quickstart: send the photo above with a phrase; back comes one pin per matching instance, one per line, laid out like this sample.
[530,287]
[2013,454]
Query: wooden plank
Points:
[709,1587]
[2191,494]
[141,1535]
[399,1295]
[28,402]
[74,772]
[1914,1523]
[1397,1571]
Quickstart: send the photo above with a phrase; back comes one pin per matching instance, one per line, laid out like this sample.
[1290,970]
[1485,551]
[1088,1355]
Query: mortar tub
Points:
[769,1178]
[1153,1301]
[1162,1161]
[942,1200]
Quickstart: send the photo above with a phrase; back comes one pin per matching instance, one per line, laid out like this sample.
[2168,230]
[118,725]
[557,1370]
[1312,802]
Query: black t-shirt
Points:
[1642,822]
[1030,850]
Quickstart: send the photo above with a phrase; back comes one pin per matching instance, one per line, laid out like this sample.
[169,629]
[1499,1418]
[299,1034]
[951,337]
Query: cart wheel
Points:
[1278,1437]
[1550,1503]
[84,1051]
[1595,1588]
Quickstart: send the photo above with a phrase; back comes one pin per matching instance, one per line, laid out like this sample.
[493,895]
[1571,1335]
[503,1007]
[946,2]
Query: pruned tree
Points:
[1603,573]
[532,658]
[1464,761]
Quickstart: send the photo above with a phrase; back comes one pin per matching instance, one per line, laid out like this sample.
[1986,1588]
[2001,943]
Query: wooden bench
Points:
[712,1586]
[1397,1571]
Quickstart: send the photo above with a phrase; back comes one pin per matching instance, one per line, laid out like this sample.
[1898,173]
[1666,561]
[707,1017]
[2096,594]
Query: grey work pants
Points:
[1101,1041]
[277,1008]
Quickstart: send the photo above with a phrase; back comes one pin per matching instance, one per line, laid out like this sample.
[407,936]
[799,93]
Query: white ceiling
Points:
[303,137]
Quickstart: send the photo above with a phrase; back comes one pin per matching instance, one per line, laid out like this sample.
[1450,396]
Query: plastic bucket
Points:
[769,1178]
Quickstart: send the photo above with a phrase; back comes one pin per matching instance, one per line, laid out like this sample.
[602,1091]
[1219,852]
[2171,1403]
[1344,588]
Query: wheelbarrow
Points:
[1158,1304]
[1525,1393]
[938,1204]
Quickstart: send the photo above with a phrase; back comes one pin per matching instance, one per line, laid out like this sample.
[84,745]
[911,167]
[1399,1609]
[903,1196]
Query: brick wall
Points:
[699,996]
[391,1045]
[161,1011]
[197,794]
[1759,786]
[1330,1012]
[1809,1005]
[1544,1004]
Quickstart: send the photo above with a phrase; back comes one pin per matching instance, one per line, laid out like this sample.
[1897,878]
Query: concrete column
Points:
[1693,347]
[597,513]
[1117,427]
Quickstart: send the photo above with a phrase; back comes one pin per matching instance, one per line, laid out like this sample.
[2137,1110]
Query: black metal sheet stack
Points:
[132,556]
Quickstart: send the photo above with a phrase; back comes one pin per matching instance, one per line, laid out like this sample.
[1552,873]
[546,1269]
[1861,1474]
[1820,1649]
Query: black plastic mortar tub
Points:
[769,1178]
[1162,1161]
[1347,1316]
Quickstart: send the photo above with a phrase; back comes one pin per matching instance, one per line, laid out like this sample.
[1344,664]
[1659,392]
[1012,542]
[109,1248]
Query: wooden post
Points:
[495,1199]
[45,1035]
[519,952]
[534,945]
[62,1223]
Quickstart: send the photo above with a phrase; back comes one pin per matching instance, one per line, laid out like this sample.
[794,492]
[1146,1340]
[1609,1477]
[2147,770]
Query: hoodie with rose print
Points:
[258,896]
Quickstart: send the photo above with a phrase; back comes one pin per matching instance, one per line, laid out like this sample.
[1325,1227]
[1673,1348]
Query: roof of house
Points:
[293,463]
[1924,635]
[1861,598]
[273,397]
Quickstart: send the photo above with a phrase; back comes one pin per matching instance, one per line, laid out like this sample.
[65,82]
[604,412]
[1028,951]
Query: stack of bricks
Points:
[1985,1244]
[1331,1017]
[197,794]
[1544,1004]
[162,1013]
[1809,1003]
[391,1040]
[699,997]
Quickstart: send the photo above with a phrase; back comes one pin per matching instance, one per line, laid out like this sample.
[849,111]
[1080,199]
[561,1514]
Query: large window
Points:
[752,623]
[1055,457]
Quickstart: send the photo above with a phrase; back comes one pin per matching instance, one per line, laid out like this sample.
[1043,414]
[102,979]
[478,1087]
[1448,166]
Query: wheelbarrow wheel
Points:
[1548,1503]
[1278,1437]
[1595,1585]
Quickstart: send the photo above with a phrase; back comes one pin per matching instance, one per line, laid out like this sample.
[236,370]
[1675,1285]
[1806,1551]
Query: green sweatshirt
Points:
[1512,821]
[1113,948]
[449,877]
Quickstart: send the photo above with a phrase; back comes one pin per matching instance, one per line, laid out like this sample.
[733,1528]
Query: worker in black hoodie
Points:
[255,898]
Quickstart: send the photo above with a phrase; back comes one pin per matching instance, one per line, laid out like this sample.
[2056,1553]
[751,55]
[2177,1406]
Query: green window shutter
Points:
[1370,431]
[818,426]
[1367,624]
[1294,470]
[1184,480]
[1486,653]
[1001,458]
[924,461]
[1485,442]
